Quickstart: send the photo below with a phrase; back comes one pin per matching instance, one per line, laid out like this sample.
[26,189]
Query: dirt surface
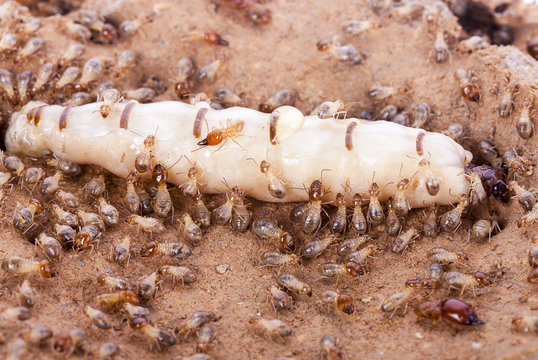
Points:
[261,60]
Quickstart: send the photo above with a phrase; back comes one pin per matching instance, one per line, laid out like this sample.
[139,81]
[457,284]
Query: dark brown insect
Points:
[492,181]
[450,309]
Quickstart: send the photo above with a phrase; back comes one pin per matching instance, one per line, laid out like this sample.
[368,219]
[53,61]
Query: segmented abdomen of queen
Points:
[354,151]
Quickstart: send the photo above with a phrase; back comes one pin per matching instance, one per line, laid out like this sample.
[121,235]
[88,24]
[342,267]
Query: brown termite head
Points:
[27,294]
[330,348]
[332,269]
[208,73]
[450,309]
[290,282]
[524,125]
[14,164]
[275,329]
[525,324]
[280,299]
[209,36]
[51,247]
[37,335]
[97,317]
[482,279]
[506,105]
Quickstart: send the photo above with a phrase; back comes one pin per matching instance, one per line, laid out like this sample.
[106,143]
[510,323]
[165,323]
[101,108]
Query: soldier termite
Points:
[375,214]
[97,317]
[524,125]
[393,223]
[440,48]
[379,92]
[280,299]
[482,230]
[148,224]
[529,217]
[205,336]
[268,229]
[445,257]
[221,135]
[85,237]
[526,198]
[122,251]
[50,184]
[338,222]
[160,336]
[452,310]
[280,98]
[184,274]
[195,321]
[109,98]
[109,213]
[506,105]
[275,258]
[66,198]
[275,329]
[454,280]
[331,348]
[191,229]
[18,265]
[518,164]
[27,295]
[65,343]
[468,89]
[342,52]
[291,283]
[113,283]
[172,249]
[63,217]
[314,248]
[13,164]
[51,247]
[163,202]
[209,36]
[24,217]
[402,241]
[348,246]
[525,324]
[311,213]
[114,301]
[334,269]
[208,73]
[358,221]
[451,220]
[148,286]
[131,199]
[342,302]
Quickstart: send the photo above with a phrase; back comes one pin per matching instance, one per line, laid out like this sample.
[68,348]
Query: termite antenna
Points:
[255,162]
[321,174]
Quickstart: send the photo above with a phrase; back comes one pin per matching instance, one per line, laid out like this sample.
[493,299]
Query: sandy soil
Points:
[261,60]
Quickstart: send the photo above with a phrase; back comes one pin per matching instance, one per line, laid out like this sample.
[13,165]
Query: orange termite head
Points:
[403,184]
[340,200]
[482,279]
[374,190]
[47,269]
[264,166]
[212,37]
[317,191]
[463,199]
[414,284]
[345,303]
[37,205]
[130,297]
[159,174]
[132,177]
[193,172]
[149,141]
[357,200]
[287,242]
[470,92]
[354,269]
[237,195]
[324,45]
[424,162]
[138,322]
[148,249]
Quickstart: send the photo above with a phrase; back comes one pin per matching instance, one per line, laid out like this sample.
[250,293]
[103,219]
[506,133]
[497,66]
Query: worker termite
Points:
[114,301]
[451,220]
[13,164]
[148,224]
[477,192]
[533,256]
[77,31]
[122,251]
[23,85]
[66,198]
[440,48]
[90,71]
[454,280]
[146,203]
[342,302]
[453,310]
[394,302]
[348,246]
[275,329]
[98,318]
[205,336]
[29,49]
[482,230]
[172,249]
[142,95]
[393,222]
[506,105]
[375,214]
[125,60]
[130,27]
[425,177]
[18,265]
[489,152]
[17,349]
[201,213]
[309,215]
[400,203]
[65,234]
[6,83]
[63,217]
[473,43]
[468,89]
[191,230]
[280,98]
[109,98]
[254,11]
[241,216]
[160,336]
[27,295]
[20,313]
[109,213]
[525,324]
[331,349]
[529,217]
[131,199]
[291,283]
[492,181]
[24,217]
[402,241]
[190,187]
[44,75]
[227,98]
[268,229]
[195,321]
[134,311]
[209,36]
[275,258]
[223,213]
[355,27]
[330,109]
[51,247]
[37,335]
[89,218]
[208,73]
[445,257]
[33,175]
[144,160]
[379,92]
[65,343]
[358,221]
[342,52]
[361,256]
[113,283]
[8,42]
[68,168]
[280,299]
[148,286]
[73,51]
[276,187]
[85,237]
[50,184]
[163,202]
[518,164]
[107,351]
[184,70]
[186,275]
[314,248]
[338,222]
[524,126]
[220,136]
